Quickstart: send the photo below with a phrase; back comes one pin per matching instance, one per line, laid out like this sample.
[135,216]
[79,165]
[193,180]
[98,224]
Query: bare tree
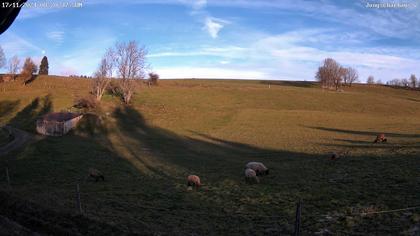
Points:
[14,66]
[130,63]
[370,80]
[2,58]
[405,83]
[103,74]
[330,74]
[413,81]
[350,76]
[379,82]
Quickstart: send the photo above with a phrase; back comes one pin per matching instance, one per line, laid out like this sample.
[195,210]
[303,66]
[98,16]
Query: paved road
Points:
[20,137]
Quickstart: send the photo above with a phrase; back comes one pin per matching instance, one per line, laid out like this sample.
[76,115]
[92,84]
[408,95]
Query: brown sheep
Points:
[380,138]
[193,181]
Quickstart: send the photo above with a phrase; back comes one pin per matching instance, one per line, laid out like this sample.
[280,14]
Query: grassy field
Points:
[212,128]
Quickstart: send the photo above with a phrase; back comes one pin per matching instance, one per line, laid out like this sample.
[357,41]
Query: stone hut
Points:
[57,123]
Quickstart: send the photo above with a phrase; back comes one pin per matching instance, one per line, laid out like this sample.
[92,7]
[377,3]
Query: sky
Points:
[240,39]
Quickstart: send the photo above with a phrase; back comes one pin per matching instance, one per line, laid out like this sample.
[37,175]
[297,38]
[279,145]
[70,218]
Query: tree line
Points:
[27,70]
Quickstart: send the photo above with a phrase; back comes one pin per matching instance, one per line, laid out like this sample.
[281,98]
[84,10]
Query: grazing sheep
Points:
[258,167]
[96,174]
[251,176]
[380,138]
[193,181]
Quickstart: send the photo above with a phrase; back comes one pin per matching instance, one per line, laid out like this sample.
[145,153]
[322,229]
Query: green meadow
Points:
[212,128]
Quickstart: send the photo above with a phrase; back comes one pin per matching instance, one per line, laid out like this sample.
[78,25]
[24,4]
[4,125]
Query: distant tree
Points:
[370,80]
[413,81]
[130,62]
[29,68]
[330,74]
[405,83]
[14,66]
[153,78]
[350,76]
[3,60]
[394,82]
[43,67]
[103,74]
[379,82]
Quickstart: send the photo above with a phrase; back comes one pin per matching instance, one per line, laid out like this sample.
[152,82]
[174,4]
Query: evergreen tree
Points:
[43,68]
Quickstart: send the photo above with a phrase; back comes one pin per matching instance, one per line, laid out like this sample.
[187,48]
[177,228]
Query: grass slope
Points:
[212,128]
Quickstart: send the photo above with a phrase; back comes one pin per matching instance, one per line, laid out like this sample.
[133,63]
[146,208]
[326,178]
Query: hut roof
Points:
[59,116]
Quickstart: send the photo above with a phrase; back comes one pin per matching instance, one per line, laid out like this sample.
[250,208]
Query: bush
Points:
[85,103]
[153,78]
[114,89]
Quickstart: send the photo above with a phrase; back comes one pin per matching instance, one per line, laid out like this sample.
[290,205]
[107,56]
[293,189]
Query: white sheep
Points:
[251,176]
[258,167]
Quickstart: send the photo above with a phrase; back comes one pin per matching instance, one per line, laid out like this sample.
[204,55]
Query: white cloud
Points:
[13,44]
[208,72]
[56,36]
[214,25]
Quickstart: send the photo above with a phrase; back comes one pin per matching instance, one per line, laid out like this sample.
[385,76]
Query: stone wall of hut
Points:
[56,128]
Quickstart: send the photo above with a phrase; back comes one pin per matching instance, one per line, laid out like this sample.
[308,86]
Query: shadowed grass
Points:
[212,128]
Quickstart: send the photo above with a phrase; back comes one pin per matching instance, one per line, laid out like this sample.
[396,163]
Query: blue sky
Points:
[248,39]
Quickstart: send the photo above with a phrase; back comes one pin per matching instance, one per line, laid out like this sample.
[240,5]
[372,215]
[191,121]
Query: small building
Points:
[57,123]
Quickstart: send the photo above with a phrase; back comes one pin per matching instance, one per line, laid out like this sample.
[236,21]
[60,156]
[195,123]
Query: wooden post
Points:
[269,85]
[7,176]
[78,202]
[297,219]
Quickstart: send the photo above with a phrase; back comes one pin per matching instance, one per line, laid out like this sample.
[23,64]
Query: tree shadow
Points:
[30,80]
[26,118]
[367,133]
[8,107]
[300,84]
[146,166]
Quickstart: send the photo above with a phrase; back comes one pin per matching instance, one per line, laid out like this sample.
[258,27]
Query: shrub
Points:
[85,103]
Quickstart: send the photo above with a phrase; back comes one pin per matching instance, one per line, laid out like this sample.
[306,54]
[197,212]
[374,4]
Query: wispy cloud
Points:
[208,72]
[214,25]
[56,36]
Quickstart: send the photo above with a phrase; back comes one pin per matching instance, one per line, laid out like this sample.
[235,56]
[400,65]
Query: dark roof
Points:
[59,116]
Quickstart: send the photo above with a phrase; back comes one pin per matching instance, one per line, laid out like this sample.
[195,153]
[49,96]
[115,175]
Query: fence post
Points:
[297,219]
[78,202]
[7,176]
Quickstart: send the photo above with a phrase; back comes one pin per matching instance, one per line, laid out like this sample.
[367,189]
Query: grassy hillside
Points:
[212,128]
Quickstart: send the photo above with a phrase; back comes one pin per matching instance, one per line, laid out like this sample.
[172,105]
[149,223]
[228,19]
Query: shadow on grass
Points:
[8,107]
[367,133]
[300,84]
[26,118]
[146,166]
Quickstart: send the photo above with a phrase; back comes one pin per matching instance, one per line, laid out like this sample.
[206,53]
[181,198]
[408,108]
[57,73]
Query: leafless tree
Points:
[14,66]
[370,80]
[405,83]
[103,75]
[330,74]
[379,82]
[350,76]
[2,58]
[413,81]
[130,63]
